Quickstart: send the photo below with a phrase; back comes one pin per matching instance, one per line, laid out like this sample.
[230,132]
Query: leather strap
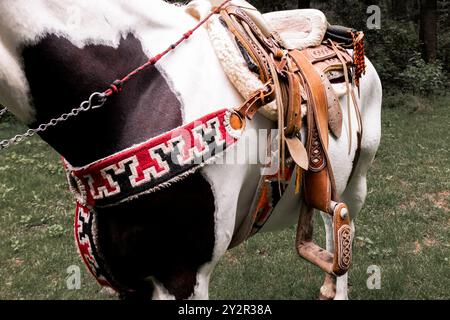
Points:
[335,117]
[253,48]
[316,93]
[342,235]
[294,105]
[253,22]
[359,136]
[256,101]
[264,52]
[320,175]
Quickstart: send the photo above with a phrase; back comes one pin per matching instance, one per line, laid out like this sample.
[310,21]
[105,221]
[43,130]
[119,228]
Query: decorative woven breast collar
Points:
[154,164]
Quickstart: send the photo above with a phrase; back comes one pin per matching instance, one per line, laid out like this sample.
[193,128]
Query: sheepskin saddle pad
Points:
[293,29]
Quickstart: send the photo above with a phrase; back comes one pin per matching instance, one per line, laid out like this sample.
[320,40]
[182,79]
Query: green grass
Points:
[404,227]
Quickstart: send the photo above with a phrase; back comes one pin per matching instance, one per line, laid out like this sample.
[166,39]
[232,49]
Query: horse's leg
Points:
[354,196]
[171,287]
[162,245]
[355,193]
[328,289]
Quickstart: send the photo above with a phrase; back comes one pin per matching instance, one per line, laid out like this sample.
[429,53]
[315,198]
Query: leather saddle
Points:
[294,76]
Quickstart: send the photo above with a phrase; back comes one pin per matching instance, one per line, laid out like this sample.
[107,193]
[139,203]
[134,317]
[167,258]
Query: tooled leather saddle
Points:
[295,77]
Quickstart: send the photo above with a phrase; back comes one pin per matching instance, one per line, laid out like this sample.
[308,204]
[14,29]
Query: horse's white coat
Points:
[194,73]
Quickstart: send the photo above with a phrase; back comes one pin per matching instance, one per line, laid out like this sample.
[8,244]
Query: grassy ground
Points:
[404,228]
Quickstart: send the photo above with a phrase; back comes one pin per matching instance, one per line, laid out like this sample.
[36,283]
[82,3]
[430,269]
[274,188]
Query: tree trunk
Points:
[304,4]
[428,29]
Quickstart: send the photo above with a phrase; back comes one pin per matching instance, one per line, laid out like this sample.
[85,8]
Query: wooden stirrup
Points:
[336,264]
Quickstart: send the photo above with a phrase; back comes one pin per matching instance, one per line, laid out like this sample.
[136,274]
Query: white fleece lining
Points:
[286,23]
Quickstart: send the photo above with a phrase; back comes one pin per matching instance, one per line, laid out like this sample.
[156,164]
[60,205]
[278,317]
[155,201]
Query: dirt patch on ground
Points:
[231,258]
[440,200]
[411,204]
[15,262]
[429,242]
[417,247]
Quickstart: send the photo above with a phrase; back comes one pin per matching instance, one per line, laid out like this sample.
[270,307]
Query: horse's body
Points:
[54,54]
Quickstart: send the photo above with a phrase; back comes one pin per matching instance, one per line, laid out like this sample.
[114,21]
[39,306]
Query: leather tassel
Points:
[347,83]
[298,179]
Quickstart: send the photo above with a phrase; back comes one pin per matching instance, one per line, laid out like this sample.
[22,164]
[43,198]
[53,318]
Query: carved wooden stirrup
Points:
[342,240]
[336,264]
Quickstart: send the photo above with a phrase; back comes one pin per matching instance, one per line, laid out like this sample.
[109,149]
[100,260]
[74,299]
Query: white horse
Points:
[44,43]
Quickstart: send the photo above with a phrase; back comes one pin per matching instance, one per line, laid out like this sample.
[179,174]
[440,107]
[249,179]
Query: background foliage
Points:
[395,49]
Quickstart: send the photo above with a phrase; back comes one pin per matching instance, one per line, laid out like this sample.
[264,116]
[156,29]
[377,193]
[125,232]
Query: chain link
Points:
[96,100]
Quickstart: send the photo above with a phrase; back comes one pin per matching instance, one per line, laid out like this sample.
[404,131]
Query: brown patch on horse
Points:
[61,76]
[167,235]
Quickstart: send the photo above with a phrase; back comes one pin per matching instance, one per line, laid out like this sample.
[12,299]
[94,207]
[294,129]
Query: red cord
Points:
[117,85]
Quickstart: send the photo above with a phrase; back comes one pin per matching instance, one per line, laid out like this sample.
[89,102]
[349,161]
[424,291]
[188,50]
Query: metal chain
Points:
[96,100]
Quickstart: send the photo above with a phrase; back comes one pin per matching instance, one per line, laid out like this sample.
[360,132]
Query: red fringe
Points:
[359,56]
